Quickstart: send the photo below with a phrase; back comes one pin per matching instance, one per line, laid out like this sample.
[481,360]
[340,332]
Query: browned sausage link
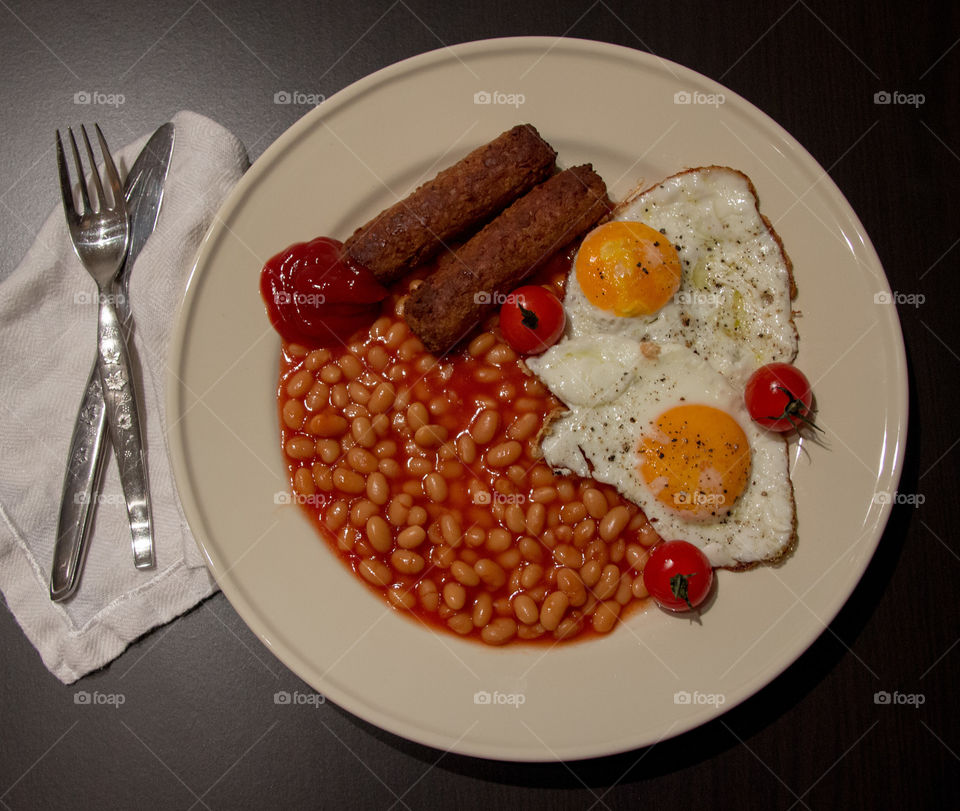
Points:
[488,179]
[469,282]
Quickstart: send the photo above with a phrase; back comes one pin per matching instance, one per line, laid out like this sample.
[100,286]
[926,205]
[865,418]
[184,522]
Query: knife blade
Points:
[143,190]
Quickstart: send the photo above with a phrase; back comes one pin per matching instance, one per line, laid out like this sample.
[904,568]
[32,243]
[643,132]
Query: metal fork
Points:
[100,238]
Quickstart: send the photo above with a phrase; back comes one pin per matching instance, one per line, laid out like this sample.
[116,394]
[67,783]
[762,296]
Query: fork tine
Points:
[66,188]
[115,186]
[83,181]
[102,204]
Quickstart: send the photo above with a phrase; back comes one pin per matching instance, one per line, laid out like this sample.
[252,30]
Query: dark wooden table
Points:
[199,726]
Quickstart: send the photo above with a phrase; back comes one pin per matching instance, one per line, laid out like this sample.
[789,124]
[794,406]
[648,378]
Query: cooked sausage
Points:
[458,199]
[469,282]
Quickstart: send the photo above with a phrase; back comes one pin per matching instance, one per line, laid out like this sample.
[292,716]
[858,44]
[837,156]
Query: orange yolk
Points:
[627,268]
[696,460]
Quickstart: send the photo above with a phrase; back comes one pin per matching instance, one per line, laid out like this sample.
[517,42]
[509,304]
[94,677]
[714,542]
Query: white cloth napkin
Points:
[48,322]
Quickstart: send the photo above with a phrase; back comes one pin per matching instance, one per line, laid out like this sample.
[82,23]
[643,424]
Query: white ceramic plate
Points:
[635,117]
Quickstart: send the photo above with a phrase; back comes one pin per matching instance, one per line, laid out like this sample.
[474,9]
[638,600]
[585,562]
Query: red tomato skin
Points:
[549,314]
[669,558]
[766,401]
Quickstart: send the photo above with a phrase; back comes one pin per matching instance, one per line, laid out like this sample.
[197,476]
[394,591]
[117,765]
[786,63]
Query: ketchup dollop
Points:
[316,295]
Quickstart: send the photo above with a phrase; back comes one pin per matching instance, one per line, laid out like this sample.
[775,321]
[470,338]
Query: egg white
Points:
[733,307]
[616,393]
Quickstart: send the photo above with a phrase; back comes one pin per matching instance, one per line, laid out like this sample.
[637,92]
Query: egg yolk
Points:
[696,461]
[627,268]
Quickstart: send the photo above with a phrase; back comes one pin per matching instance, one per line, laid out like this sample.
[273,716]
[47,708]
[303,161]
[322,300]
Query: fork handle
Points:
[123,421]
[80,487]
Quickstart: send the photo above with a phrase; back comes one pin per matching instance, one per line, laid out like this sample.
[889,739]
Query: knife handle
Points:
[123,421]
[81,483]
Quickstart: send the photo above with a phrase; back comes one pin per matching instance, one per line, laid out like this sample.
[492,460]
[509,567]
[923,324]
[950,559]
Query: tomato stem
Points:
[679,587]
[528,317]
[795,408]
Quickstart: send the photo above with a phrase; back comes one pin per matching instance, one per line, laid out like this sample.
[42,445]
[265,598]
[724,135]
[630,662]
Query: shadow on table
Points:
[747,719]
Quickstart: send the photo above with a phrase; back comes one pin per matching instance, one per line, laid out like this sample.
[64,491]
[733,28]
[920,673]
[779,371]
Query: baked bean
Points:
[358,393]
[328,450]
[316,359]
[381,425]
[385,449]
[339,398]
[569,582]
[605,616]
[362,431]
[490,572]
[347,539]
[396,334]
[361,461]
[374,571]
[570,627]
[553,609]
[300,447]
[418,466]
[536,518]
[584,531]
[529,632]
[481,344]
[417,416]
[450,529]
[429,436]
[396,510]
[531,549]
[378,358]
[352,410]
[425,363]
[465,573]
[467,448]
[294,414]
[531,575]
[327,424]
[379,328]
[482,610]
[638,587]
[506,453]
[524,426]
[636,557]
[351,366]
[303,482]
[590,573]
[417,516]
[348,481]
[379,534]
[518,475]
[608,583]
[566,490]
[400,597]
[595,502]
[625,589]
[515,519]
[378,489]
[526,609]
[299,384]
[331,373]
[501,353]
[450,468]
[336,515]
[381,399]
[406,561]
[534,387]
[412,487]
[485,426]
[614,522]
[541,476]
[361,511]
[454,595]
[317,397]
[461,623]
[443,556]
[617,550]
[438,406]
[322,477]
[498,540]
[510,559]
[506,392]
[499,631]
[568,555]
[573,512]
[435,487]
[597,550]
[411,537]
[544,495]
[648,536]
[428,595]
[475,536]
[410,348]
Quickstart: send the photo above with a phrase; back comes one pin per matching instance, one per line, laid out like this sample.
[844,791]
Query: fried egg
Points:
[671,305]
[672,435]
[731,303]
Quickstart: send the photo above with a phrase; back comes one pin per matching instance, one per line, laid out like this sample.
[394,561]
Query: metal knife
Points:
[143,190]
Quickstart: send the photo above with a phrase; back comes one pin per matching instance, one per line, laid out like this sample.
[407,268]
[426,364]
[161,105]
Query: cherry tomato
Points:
[677,575]
[532,319]
[778,397]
